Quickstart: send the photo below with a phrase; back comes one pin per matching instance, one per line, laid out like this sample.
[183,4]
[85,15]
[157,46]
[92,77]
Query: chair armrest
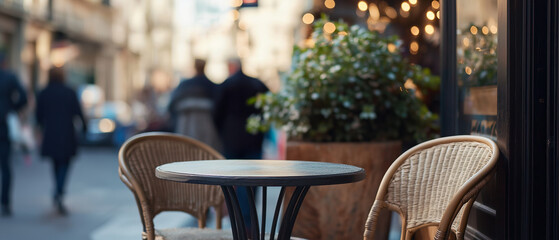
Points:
[125,180]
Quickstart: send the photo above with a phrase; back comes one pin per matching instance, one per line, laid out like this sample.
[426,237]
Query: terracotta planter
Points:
[340,211]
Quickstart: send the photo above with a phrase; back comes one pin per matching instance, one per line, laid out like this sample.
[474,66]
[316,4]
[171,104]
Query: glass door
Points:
[476,82]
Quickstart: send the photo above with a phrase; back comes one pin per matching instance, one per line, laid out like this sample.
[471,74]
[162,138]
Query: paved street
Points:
[100,206]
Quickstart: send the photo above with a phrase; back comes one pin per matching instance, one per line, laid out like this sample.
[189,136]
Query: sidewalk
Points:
[99,205]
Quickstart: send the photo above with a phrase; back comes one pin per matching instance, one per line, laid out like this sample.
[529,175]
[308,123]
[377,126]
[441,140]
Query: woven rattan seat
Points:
[139,157]
[435,184]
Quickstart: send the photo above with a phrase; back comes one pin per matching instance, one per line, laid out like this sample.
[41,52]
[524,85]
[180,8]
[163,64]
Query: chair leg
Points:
[202,220]
[218,216]
[150,229]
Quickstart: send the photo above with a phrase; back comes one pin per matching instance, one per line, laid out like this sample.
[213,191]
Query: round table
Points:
[261,173]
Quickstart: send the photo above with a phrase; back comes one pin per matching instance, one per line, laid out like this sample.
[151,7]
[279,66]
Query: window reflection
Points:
[477,66]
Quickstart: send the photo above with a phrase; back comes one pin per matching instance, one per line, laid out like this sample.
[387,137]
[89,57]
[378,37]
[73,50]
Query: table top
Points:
[260,172]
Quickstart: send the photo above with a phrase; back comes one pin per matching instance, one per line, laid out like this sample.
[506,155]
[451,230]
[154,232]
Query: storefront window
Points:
[477,66]
[476,76]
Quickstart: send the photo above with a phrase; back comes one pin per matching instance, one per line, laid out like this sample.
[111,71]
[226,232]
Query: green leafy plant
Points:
[349,87]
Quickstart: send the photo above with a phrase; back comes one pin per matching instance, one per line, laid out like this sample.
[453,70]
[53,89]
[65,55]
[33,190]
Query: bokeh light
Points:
[430,15]
[391,47]
[414,47]
[485,30]
[468,70]
[329,27]
[235,15]
[374,12]
[362,5]
[414,30]
[435,4]
[466,42]
[106,125]
[329,4]
[473,30]
[236,3]
[429,29]
[308,18]
[406,6]
[493,29]
[390,12]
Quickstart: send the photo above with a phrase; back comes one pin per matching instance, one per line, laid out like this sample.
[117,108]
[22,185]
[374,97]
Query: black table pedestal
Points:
[258,231]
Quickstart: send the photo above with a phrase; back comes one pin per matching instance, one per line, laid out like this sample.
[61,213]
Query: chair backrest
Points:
[435,184]
[138,158]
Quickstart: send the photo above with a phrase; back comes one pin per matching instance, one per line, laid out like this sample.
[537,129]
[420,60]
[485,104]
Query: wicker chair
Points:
[435,184]
[139,157]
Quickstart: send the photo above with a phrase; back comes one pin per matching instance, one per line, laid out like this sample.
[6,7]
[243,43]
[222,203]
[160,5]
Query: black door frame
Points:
[552,166]
[528,62]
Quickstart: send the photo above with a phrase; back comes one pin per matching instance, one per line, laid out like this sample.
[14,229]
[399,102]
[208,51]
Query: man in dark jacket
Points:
[57,106]
[231,113]
[191,107]
[12,98]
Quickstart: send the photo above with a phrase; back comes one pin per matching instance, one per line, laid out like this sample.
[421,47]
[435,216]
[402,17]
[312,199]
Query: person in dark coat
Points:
[231,113]
[191,107]
[57,106]
[12,98]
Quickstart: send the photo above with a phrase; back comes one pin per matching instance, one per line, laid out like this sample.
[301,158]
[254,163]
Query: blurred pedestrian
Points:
[12,98]
[231,113]
[57,107]
[191,107]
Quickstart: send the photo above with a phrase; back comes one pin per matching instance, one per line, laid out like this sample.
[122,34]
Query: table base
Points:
[258,231]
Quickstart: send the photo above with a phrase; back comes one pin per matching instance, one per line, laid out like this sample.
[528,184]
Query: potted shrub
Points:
[349,98]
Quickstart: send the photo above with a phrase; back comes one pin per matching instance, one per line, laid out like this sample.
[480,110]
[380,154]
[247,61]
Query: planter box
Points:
[340,211]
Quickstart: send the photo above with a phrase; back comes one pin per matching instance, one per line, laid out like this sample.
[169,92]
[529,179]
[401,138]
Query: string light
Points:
[468,70]
[329,4]
[473,30]
[362,5]
[414,47]
[308,18]
[414,30]
[429,29]
[493,29]
[236,3]
[430,15]
[329,27]
[466,42]
[485,30]
[390,12]
[435,4]
[413,2]
[405,6]
[374,12]
[439,14]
